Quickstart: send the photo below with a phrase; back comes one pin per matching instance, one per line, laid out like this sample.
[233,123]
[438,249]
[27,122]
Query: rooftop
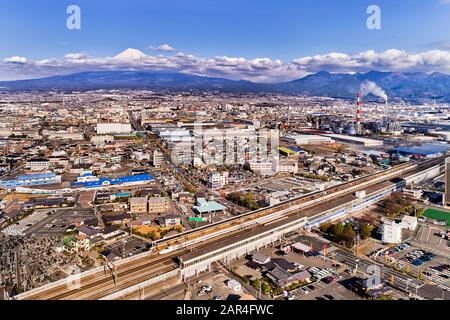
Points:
[204,206]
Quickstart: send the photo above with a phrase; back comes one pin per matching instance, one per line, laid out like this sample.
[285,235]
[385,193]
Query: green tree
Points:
[348,235]
[256,283]
[336,231]
[365,230]
[265,288]
[325,227]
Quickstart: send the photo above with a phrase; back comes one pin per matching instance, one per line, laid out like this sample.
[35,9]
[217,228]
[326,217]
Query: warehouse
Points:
[301,139]
[109,128]
[355,140]
[29,180]
[424,151]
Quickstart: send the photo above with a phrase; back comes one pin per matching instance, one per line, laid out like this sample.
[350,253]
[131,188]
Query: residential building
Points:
[158,205]
[37,164]
[285,167]
[217,180]
[284,278]
[409,222]
[138,205]
[158,159]
[170,220]
[391,232]
[263,168]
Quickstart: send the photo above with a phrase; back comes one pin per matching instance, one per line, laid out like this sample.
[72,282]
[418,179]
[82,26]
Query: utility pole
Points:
[356,266]
[259,296]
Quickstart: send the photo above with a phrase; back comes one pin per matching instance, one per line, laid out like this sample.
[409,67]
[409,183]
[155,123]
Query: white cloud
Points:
[15,59]
[164,48]
[389,60]
[76,56]
[261,69]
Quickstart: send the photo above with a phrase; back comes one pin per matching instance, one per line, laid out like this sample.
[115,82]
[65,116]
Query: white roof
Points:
[353,138]
[300,246]
[233,283]
[409,219]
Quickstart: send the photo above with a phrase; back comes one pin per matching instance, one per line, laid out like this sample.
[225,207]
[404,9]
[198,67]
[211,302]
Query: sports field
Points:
[437,214]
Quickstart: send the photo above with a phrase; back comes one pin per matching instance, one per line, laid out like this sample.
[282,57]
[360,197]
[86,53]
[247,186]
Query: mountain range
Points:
[413,87]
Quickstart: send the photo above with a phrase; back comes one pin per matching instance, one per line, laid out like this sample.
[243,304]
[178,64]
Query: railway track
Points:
[99,285]
[294,204]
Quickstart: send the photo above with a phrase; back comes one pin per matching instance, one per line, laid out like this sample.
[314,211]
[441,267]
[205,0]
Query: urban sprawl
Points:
[134,194]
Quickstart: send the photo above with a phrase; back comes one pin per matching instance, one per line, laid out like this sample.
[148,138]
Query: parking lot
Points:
[210,286]
[329,274]
[323,291]
[20,227]
[429,236]
[59,220]
[219,290]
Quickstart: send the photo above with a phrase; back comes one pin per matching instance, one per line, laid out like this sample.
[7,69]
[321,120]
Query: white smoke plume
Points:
[368,87]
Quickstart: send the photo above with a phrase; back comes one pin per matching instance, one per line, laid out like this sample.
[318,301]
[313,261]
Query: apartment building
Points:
[138,205]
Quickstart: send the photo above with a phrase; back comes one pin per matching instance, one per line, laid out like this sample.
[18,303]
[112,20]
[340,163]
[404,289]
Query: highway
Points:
[100,284]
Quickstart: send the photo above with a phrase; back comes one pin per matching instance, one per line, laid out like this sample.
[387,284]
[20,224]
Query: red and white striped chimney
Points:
[358,115]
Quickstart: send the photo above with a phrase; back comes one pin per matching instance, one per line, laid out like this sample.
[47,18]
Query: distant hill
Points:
[129,79]
[416,87]
[405,86]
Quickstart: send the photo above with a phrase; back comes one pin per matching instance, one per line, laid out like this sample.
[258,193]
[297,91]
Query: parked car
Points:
[328,280]
[207,288]
[201,293]
[304,290]
[290,296]
[281,253]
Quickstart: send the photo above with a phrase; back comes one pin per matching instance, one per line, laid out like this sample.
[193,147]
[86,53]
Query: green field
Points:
[437,214]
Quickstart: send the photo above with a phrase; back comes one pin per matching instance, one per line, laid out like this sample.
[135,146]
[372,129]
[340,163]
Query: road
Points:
[401,281]
[180,173]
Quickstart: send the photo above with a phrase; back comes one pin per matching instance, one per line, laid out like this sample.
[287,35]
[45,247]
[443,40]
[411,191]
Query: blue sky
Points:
[248,29]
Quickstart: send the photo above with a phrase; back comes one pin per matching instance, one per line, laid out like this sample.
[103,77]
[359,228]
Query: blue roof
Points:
[122,194]
[425,150]
[118,181]
[36,176]
[295,149]
[27,180]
